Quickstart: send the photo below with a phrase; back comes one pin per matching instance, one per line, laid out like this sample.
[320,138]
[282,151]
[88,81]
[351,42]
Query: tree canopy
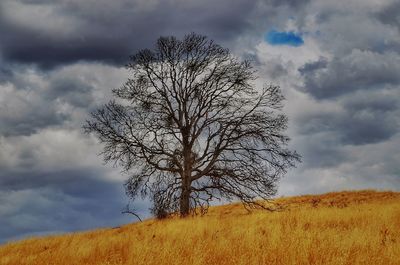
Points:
[190,125]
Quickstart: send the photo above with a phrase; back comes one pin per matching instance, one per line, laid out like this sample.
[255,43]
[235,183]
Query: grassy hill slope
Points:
[336,228]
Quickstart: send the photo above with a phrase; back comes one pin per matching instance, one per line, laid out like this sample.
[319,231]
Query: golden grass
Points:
[335,228]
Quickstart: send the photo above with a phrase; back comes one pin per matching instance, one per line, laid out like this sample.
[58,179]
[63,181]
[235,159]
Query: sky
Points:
[337,63]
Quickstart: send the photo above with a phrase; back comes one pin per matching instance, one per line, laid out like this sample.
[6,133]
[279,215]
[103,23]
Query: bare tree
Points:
[190,126]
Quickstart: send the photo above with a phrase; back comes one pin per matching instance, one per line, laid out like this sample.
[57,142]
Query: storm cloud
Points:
[50,33]
[358,70]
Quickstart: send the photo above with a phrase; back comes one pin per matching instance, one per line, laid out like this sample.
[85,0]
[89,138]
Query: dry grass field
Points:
[336,228]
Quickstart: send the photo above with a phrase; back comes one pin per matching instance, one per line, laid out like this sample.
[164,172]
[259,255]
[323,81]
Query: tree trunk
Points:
[185,201]
[187,173]
[185,189]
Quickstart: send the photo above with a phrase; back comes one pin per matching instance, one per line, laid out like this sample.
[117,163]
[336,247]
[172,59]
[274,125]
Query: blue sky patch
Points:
[290,38]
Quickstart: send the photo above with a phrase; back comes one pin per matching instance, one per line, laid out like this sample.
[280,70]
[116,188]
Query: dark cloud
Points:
[26,118]
[291,3]
[43,210]
[59,201]
[385,101]
[51,33]
[359,70]
[360,75]
[360,122]
[72,182]
[390,15]
[102,32]
[366,127]
[32,99]
[321,150]
[310,68]
[5,74]
[69,89]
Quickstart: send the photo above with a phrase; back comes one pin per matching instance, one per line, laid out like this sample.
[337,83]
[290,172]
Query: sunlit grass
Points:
[336,228]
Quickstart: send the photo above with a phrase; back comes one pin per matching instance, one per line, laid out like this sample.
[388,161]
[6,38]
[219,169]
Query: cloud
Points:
[342,95]
[359,127]
[359,70]
[5,73]
[274,37]
[63,32]
[54,181]
[31,99]
[369,166]
[311,67]
[390,15]
[45,210]
[23,112]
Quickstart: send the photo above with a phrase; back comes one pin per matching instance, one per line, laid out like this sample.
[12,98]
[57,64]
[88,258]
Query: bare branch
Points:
[190,127]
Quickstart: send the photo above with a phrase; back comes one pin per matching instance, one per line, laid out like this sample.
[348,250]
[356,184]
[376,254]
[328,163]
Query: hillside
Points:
[336,228]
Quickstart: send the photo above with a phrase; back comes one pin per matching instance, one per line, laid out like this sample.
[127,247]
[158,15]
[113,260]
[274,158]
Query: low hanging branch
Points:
[190,126]
[127,210]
